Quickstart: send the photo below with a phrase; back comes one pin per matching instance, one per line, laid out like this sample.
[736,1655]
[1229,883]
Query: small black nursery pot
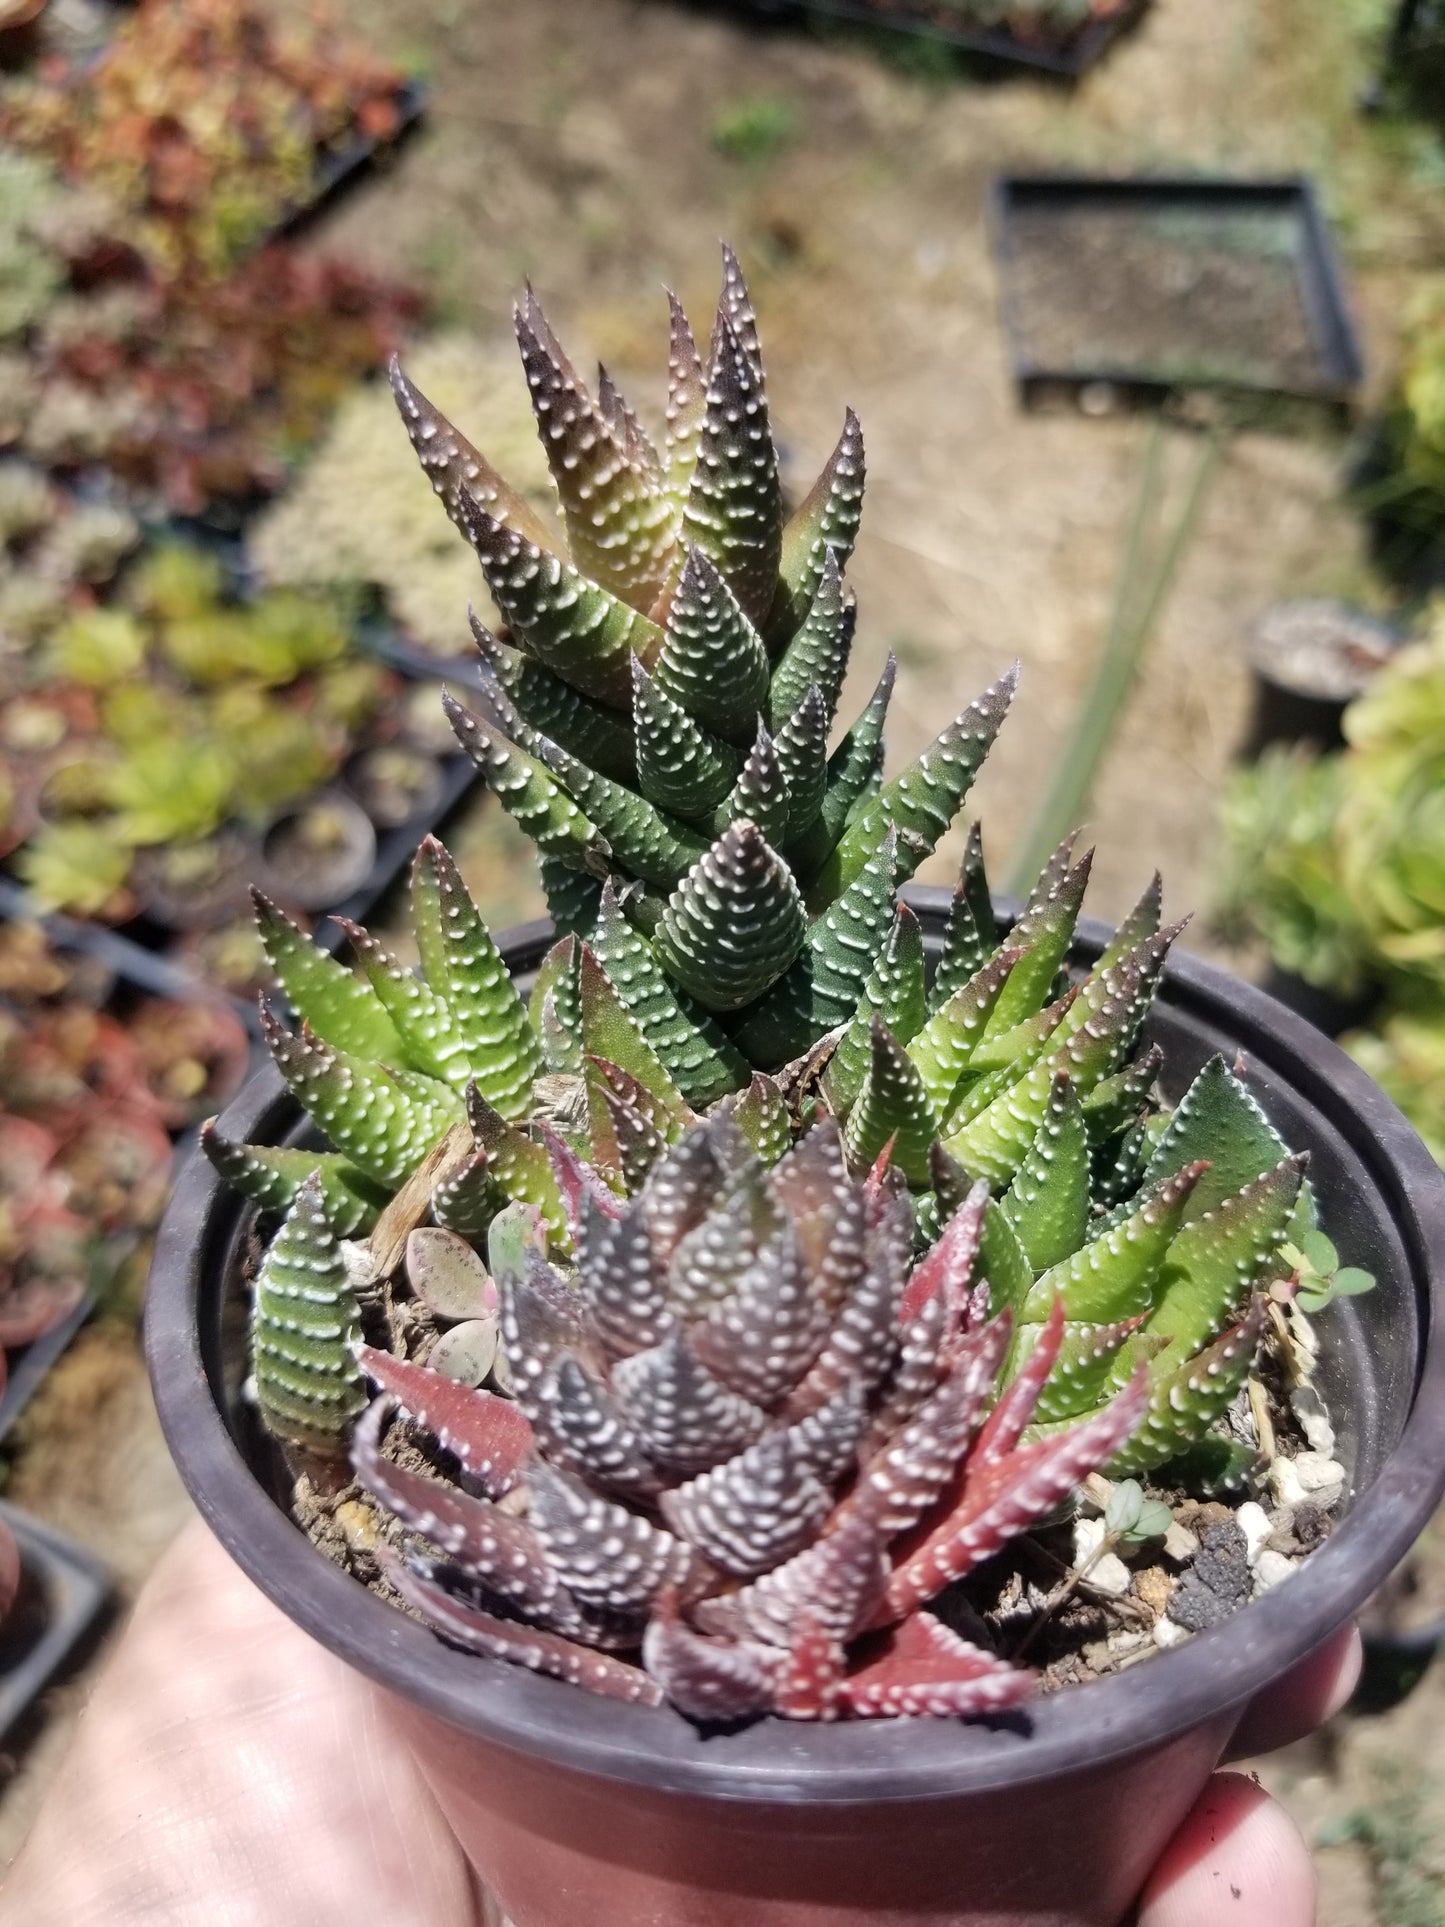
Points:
[579,1809]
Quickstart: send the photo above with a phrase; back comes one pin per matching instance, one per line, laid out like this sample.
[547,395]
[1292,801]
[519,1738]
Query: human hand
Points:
[231,1772]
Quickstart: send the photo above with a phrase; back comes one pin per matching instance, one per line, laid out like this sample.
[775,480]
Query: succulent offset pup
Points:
[734,1436]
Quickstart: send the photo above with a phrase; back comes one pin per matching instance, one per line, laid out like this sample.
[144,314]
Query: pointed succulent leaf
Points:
[1003,1262]
[969,934]
[1023,1043]
[734,510]
[541,1318]
[762,1338]
[340,1006]
[1217,1258]
[604,1554]
[628,1129]
[464,1199]
[734,924]
[1088,1369]
[924,800]
[713,661]
[679,766]
[572,895]
[610,1031]
[818,653]
[892,1105]
[552,707]
[583,1429]
[272,1176]
[382,1124]
[824,526]
[688,1419]
[802,751]
[518,1165]
[944,1047]
[946,1271]
[709,1679]
[488,1434]
[421,1018]
[853,783]
[1047,928]
[455,469]
[553,1009]
[1048,1202]
[619,524]
[1142,967]
[1118,1275]
[574,627]
[1217,1119]
[1114,1105]
[464,968]
[823,987]
[1141,923]
[528,792]
[1185,1402]
[541,1652]
[687,1042]
[760,793]
[686,407]
[647,841]
[1116,1168]
[762,1117]
[304,1327]
[932,1673]
[753,1512]
[895,994]
[1017,1404]
[1006,1497]
[840,1580]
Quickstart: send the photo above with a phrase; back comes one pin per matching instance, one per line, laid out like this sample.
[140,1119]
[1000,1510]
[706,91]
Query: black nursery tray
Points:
[63,1592]
[929,20]
[30,1364]
[338,167]
[1157,285]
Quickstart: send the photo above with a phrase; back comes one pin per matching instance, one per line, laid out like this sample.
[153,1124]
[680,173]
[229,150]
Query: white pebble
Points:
[1108,1574]
[1271,1569]
[1322,1477]
[1309,1409]
[1167,1634]
[1284,1483]
[359,1262]
[1254,1522]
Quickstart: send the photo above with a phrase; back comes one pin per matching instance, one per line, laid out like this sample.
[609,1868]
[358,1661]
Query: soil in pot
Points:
[319,854]
[196,886]
[395,784]
[1311,660]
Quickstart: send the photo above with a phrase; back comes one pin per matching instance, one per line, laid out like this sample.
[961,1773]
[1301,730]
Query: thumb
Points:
[1237,1861]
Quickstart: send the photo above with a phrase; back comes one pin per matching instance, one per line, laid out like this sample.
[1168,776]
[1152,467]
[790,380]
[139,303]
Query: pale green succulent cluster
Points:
[658,719]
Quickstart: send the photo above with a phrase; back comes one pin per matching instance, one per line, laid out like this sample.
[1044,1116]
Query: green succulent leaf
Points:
[1046,928]
[529,792]
[465,969]
[818,653]
[456,470]
[1219,1257]
[734,924]
[1120,1274]
[760,793]
[1185,1401]
[340,1007]
[518,1166]
[969,936]
[649,843]
[853,776]
[1048,1202]
[942,1050]
[304,1325]
[679,767]
[556,710]
[893,1104]
[272,1177]
[713,661]
[895,994]
[686,1040]
[825,524]
[734,510]
[762,1117]
[802,751]
[610,1031]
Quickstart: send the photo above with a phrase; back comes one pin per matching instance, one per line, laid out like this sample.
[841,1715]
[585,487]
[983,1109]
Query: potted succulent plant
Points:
[720,1327]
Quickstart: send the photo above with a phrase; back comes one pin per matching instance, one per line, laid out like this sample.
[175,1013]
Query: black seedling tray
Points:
[926,20]
[30,1364]
[63,1593]
[1235,281]
[338,167]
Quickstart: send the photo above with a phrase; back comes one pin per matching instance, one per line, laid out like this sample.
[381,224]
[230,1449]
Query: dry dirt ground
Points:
[582,142]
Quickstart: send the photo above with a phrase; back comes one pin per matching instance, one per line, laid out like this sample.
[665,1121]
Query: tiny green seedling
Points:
[1131,1519]
[1319,1273]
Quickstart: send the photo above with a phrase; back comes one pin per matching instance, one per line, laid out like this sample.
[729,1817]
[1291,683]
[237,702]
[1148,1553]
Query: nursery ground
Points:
[602,149]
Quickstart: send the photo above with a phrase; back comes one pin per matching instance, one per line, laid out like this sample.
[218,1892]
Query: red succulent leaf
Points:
[1004,1426]
[1007,1496]
[709,1679]
[909,1475]
[503,1552]
[482,1632]
[810,1679]
[947,1270]
[576,1181]
[926,1669]
[489,1435]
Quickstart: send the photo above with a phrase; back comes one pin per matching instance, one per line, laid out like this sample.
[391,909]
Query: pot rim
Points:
[862,1762]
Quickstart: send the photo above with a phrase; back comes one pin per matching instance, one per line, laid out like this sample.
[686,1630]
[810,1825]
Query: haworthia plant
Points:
[737,1106]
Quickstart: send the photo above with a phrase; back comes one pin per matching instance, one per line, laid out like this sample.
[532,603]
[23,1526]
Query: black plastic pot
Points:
[577,1808]
[1310,660]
